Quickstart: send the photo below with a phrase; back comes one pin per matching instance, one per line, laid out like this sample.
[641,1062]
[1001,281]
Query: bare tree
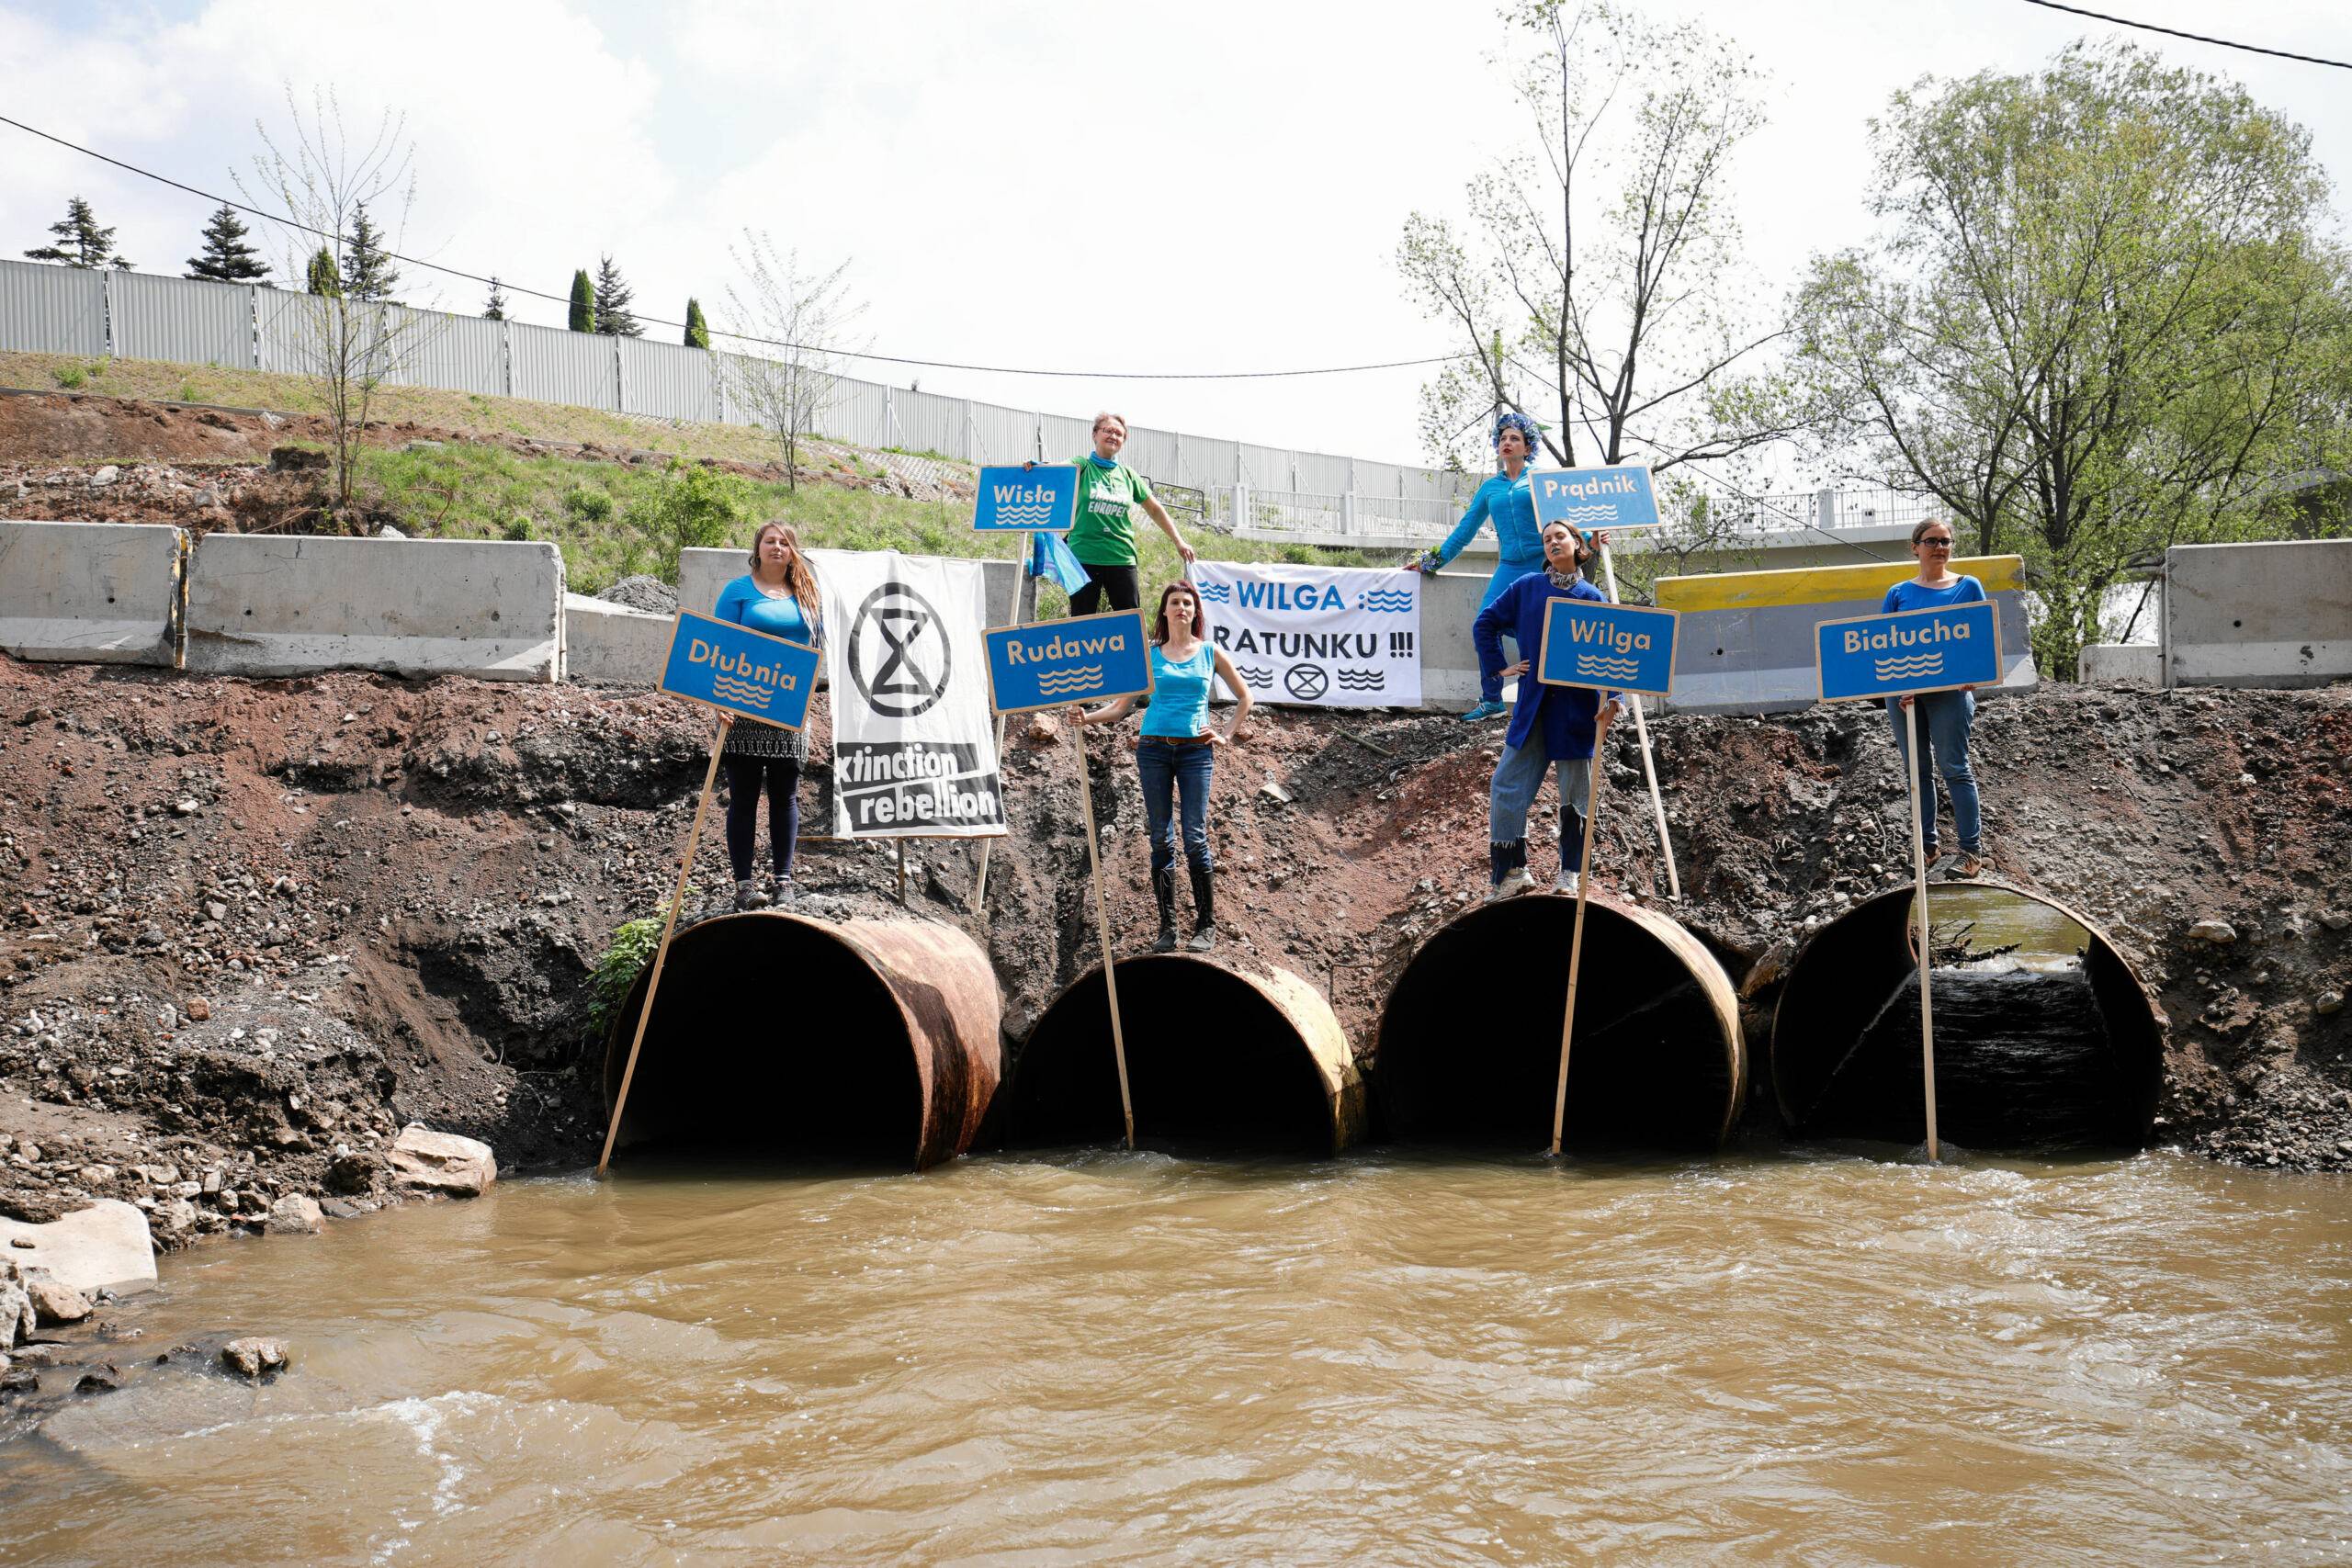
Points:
[1597,285]
[321,178]
[789,329]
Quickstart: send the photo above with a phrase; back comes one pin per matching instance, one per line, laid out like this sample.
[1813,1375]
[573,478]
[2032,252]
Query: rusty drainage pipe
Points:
[870,1040]
[1469,1038]
[1234,1056]
[2022,1060]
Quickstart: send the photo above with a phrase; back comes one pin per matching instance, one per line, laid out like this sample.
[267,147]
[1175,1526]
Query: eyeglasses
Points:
[1935,543]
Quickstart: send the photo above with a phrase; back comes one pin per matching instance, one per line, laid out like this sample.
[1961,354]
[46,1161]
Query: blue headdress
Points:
[1529,432]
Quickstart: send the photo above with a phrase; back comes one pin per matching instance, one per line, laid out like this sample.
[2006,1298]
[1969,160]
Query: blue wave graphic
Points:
[1363,680]
[1217,592]
[1256,675]
[1386,600]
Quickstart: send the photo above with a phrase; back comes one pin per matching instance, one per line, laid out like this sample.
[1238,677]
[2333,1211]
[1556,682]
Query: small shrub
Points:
[70,377]
[588,504]
[629,951]
[190,393]
[694,508]
[517,529]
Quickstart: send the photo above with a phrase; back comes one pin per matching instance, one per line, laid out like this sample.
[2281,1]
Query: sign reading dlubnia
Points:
[1088,658]
[1909,651]
[740,671]
[1609,647]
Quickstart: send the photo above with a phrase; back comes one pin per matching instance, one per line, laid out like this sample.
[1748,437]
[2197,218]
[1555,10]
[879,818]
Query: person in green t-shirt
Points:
[1103,538]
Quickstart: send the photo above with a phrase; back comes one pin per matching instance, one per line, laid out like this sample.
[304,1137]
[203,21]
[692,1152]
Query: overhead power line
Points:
[2194,38]
[513,288]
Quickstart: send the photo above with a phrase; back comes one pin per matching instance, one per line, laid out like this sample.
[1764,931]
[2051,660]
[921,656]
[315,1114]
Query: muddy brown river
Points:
[1825,1355]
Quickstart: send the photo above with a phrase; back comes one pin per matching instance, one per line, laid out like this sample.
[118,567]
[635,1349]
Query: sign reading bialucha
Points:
[740,671]
[1087,658]
[913,752]
[1909,651]
[1322,637]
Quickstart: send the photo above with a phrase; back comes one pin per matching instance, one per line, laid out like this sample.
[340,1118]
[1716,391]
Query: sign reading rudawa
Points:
[1320,635]
[914,755]
[1087,658]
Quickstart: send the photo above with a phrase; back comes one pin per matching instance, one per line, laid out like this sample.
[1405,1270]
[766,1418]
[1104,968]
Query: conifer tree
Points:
[81,242]
[368,270]
[323,279]
[227,258]
[697,330]
[496,309]
[613,298]
[584,303]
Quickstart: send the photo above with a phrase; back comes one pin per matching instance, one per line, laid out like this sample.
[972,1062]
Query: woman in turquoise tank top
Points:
[1173,755]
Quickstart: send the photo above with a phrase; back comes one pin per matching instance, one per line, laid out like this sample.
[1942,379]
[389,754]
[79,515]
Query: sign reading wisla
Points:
[1909,651]
[740,671]
[1026,499]
[1084,660]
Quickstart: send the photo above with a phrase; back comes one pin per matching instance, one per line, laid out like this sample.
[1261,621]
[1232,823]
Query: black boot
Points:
[1203,911]
[1163,888]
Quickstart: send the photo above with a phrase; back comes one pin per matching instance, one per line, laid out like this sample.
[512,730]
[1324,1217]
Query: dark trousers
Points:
[743,811]
[1119,581]
[1175,781]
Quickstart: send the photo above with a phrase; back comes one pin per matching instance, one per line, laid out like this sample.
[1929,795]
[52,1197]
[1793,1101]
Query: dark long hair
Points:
[1199,613]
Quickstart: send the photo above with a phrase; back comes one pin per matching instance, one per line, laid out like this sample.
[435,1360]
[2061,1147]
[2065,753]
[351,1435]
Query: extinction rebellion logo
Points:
[898,652]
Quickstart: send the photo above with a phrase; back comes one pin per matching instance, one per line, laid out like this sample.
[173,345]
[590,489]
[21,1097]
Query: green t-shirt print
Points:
[1104,534]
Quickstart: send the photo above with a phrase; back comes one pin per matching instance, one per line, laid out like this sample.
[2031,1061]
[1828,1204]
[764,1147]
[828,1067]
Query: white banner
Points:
[914,751]
[1321,635]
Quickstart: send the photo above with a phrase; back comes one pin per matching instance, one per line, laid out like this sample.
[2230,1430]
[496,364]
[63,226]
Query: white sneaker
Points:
[1515,881]
[1565,882]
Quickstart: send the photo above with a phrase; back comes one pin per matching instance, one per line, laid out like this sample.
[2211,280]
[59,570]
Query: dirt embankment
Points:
[250,928]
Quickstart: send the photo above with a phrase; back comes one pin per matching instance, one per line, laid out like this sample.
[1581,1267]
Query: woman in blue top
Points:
[1508,501]
[1945,717]
[1174,754]
[777,597]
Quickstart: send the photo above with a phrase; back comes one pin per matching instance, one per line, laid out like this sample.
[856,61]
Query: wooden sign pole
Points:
[1024,610]
[661,954]
[1103,924]
[1920,897]
[1650,767]
[1575,941]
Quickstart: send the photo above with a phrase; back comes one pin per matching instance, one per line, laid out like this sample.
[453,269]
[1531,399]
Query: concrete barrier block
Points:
[2140,663]
[608,644]
[266,605]
[90,593]
[2265,615]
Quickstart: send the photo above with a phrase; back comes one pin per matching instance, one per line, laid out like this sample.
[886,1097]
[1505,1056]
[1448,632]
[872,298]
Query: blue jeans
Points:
[1944,721]
[1171,773]
[1519,777]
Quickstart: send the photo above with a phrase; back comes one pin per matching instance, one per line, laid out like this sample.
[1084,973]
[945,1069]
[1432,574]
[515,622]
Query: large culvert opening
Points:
[2044,1039]
[1213,1063]
[1470,1036]
[770,1037]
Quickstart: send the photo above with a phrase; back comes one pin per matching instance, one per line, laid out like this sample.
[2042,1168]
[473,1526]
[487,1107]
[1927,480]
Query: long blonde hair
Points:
[799,575]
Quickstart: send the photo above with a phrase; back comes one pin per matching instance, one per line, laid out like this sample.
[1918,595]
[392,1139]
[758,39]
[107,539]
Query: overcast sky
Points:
[1211,187]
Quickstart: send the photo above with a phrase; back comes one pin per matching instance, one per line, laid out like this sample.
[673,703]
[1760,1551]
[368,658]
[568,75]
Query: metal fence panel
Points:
[463,354]
[667,380]
[1205,461]
[185,321]
[858,413]
[1321,474]
[289,325]
[1002,435]
[1149,451]
[1438,484]
[1066,437]
[553,365]
[927,423]
[1266,468]
[53,309]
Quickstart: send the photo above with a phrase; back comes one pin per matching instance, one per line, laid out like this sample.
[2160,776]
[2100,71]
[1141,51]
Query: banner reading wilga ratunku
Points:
[1326,636]
[914,751]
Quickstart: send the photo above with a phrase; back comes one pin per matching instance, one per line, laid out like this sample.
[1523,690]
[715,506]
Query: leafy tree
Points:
[227,258]
[368,271]
[613,297]
[697,330]
[584,303]
[2100,317]
[321,276]
[694,508]
[1597,285]
[495,310]
[80,241]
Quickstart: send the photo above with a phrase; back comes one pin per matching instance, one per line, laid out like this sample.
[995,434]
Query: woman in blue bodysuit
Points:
[1507,501]
[1174,756]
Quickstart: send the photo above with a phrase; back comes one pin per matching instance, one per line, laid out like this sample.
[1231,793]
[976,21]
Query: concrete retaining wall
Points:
[260,605]
[2140,662]
[2271,614]
[611,645]
[91,592]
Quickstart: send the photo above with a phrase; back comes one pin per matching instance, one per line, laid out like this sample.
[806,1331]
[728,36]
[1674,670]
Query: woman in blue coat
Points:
[1508,501]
